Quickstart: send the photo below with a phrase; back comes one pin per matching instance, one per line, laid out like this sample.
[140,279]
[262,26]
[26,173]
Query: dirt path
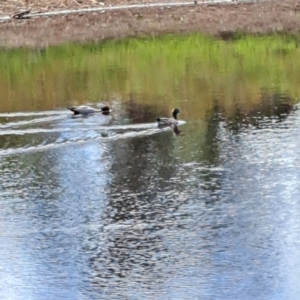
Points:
[218,20]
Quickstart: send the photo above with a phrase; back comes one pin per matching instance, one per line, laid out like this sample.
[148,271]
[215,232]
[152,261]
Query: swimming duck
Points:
[84,110]
[169,121]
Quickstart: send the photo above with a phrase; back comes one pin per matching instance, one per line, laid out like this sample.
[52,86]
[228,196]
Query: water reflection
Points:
[114,207]
[275,107]
[140,208]
[136,217]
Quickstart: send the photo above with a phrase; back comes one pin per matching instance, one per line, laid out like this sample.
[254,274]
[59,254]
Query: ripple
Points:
[132,212]
[61,142]
[30,122]
[72,129]
[32,114]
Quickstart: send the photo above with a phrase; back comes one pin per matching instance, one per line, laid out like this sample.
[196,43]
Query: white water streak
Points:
[81,129]
[30,122]
[32,113]
[13,151]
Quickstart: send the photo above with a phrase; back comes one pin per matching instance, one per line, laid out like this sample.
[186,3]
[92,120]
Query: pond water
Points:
[113,207]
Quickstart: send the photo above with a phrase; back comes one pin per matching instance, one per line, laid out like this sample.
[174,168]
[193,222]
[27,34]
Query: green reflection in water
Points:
[192,72]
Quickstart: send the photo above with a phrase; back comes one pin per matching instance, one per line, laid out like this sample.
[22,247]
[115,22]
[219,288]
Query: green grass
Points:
[179,69]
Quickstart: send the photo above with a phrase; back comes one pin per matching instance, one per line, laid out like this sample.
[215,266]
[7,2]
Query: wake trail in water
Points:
[37,148]
[82,130]
[31,122]
[77,129]
[30,114]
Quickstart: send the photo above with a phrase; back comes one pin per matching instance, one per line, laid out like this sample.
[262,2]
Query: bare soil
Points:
[10,6]
[218,20]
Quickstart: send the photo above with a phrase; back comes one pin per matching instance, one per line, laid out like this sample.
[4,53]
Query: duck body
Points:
[169,121]
[85,110]
[166,121]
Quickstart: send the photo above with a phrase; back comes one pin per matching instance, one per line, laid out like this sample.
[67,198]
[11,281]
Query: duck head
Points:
[105,110]
[175,112]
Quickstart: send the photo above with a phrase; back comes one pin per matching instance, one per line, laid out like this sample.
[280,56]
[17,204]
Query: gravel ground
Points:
[217,20]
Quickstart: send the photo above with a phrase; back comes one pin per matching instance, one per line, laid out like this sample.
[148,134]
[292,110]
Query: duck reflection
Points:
[176,130]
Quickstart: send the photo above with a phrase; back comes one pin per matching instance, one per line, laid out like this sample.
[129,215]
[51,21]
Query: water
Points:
[113,207]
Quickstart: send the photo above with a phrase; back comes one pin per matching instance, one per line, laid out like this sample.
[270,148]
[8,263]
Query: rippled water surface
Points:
[113,207]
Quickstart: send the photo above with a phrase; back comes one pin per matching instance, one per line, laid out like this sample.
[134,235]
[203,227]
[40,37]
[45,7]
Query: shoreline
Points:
[218,20]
